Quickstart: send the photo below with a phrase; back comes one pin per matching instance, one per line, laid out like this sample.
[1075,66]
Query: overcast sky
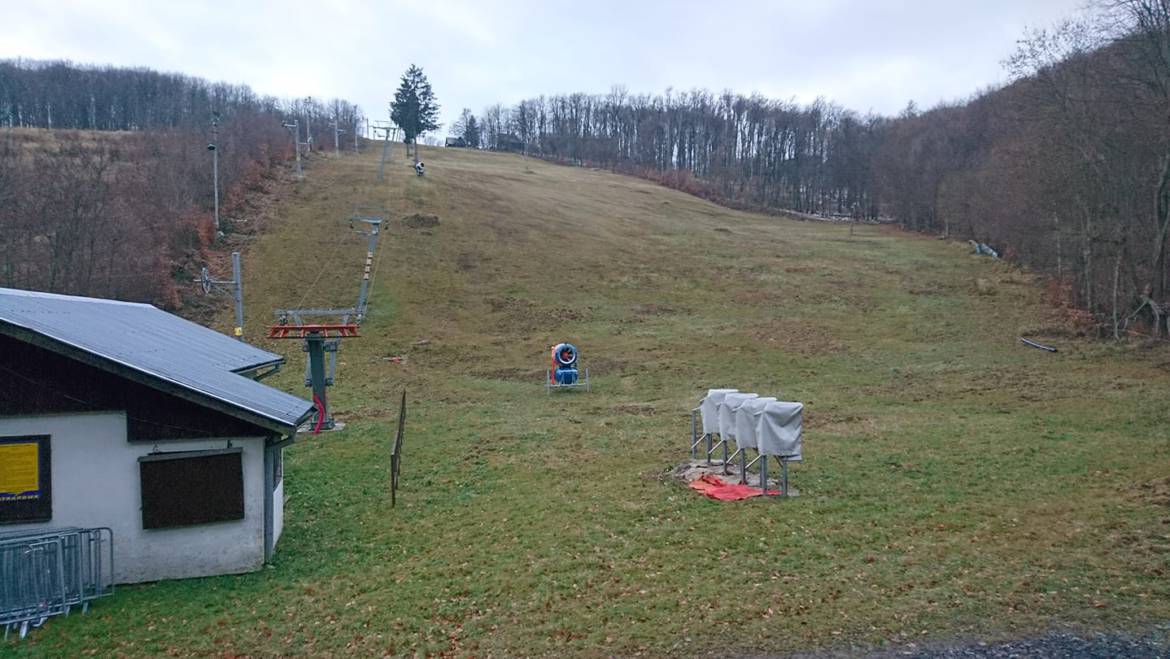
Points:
[864,54]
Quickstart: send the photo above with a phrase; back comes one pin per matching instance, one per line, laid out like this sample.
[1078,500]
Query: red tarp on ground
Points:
[718,489]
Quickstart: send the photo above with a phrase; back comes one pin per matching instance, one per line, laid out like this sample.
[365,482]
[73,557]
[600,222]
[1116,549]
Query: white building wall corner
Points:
[96,482]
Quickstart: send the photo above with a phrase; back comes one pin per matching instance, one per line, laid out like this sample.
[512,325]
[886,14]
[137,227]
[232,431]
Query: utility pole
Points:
[213,147]
[296,133]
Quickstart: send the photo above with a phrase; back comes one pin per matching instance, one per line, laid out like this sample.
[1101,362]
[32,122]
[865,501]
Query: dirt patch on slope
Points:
[420,221]
[520,314]
[1155,492]
[638,409]
[797,336]
[514,374]
[652,309]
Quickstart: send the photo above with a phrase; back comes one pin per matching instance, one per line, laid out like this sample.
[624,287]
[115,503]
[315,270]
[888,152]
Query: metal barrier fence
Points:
[47,572]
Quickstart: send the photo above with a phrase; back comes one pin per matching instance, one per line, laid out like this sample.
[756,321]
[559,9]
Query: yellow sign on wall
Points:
[19,471]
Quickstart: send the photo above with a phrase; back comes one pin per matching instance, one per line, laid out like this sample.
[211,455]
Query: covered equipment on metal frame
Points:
[746,426]
[746,421]
[726,409]
[780,430]
[771,427]
[709,408]
[706,416]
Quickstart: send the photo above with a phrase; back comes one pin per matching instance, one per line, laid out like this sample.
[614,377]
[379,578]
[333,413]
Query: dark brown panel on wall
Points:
[191,487]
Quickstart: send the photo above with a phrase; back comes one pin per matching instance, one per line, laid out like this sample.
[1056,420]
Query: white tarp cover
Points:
[780,429]
[709,408]
[727,408]
[747,419]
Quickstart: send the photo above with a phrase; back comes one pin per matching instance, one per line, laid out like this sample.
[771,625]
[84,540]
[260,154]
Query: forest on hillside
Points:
[1065,170]
[117,200]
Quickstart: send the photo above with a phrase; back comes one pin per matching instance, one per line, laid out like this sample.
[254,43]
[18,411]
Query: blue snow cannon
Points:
[564,373]
[564,364]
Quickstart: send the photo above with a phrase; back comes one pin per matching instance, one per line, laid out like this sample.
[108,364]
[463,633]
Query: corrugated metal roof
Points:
[152,341]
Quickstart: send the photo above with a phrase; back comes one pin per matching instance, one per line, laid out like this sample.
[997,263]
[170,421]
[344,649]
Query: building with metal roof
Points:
[121,415]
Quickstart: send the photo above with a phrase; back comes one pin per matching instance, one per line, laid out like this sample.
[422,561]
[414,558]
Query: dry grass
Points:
[33,140]
[955,483]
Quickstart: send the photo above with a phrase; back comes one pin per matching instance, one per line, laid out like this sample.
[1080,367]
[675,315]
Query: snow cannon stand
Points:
[564,373]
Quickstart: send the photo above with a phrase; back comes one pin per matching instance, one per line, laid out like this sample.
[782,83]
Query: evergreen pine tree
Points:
[414,108]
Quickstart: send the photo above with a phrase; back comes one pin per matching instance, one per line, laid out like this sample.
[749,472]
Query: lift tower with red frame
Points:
[315,338]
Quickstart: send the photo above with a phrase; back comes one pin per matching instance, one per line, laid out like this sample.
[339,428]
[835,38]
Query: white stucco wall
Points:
[96,483]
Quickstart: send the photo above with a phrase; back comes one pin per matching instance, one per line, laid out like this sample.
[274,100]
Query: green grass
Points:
[955,482]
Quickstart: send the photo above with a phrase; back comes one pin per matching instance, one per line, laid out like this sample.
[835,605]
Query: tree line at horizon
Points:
[128,216]
[64,95]
[1065,170]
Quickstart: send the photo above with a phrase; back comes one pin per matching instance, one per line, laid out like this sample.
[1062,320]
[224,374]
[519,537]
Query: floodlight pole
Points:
[214,148]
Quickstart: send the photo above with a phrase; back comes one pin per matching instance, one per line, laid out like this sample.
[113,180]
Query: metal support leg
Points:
[385,149]
[694,433]
[730,459]
[764,474]
[371,247]
[784,469]
[721,442]
[695,444]
[316,344]
[238,294]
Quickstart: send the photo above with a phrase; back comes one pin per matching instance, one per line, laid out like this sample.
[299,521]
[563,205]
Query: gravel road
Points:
[1153,644]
